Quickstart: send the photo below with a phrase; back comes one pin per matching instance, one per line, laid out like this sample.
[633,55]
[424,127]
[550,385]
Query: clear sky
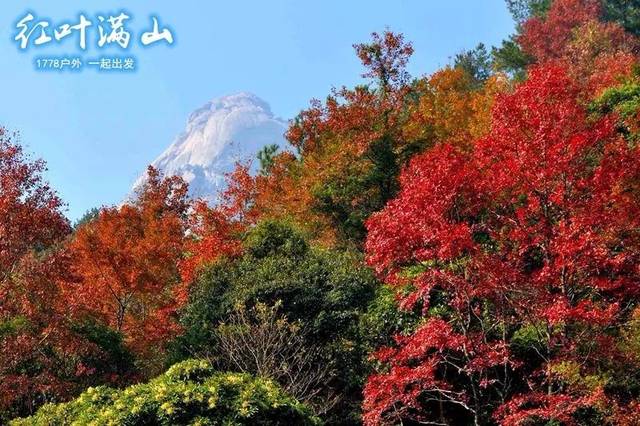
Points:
[97,131]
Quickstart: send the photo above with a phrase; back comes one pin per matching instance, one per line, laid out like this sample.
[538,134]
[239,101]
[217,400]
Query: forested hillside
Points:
[460,248]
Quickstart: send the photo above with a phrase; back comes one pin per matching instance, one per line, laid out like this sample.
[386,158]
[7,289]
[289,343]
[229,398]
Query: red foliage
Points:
[127,260]
[239,198]
[41,358]
[397,239]
[546,38]
[386,58]
[595,54]
[536,227]
[559,407]
[212,235]
[610,70]
[29,210]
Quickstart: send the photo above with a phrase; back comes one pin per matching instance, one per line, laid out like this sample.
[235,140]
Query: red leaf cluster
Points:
[536,227]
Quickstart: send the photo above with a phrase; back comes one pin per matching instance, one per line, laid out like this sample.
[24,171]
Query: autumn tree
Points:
[31,222]
[522,256]
[213,234]
[451,108]
[351,147]
[594,39]
[44,354]
[127,259]
[348,154]
[31,212]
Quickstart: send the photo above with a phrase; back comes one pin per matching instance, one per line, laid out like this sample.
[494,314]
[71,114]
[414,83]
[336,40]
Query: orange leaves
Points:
[349,151]
[450,110]
[212,235]
[356,117]
[351,147]
[127,260]
[34,339]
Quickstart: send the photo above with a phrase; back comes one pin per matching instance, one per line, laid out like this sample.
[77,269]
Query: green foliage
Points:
[624,99]
[266,156]
[325,291]
[335,199]
[625,13]
[273,238]
[113,357]
[13,325]
[511,59]
[527,336]
[384,319]
[631,337]
[476,63]
[348,200]
[189,393]
[88,216]
[521,10]
[528,342]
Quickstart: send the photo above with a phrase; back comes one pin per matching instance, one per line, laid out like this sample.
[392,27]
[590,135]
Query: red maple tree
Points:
[127,259]
[42,358]
[532,237]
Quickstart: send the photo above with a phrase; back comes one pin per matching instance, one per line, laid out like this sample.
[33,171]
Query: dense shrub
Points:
[324,291]
[188,393]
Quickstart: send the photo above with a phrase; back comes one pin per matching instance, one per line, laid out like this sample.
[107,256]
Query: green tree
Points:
[521,10]
[476,63]
[87,217]
[324,291]
[624,101]
[266,156]
[510,58]
[624,12]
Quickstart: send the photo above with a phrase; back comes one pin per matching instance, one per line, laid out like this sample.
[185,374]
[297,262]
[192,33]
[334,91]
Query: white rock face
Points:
[221,133]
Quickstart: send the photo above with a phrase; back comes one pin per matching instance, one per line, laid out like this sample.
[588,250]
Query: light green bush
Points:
[189,393]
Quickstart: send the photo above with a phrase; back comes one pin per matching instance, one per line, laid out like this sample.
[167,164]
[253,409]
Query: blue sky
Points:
[97,131]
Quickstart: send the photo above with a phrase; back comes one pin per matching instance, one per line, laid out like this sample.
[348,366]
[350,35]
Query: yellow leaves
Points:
[93,394]
[594,38]
[245,407]
[567,371]
[213,400]
[168,408]
[630,343]
[233,379]
[160,391]
[450,109]
[570,375]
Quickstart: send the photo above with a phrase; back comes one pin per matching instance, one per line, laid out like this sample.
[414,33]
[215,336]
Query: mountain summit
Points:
[219,134]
